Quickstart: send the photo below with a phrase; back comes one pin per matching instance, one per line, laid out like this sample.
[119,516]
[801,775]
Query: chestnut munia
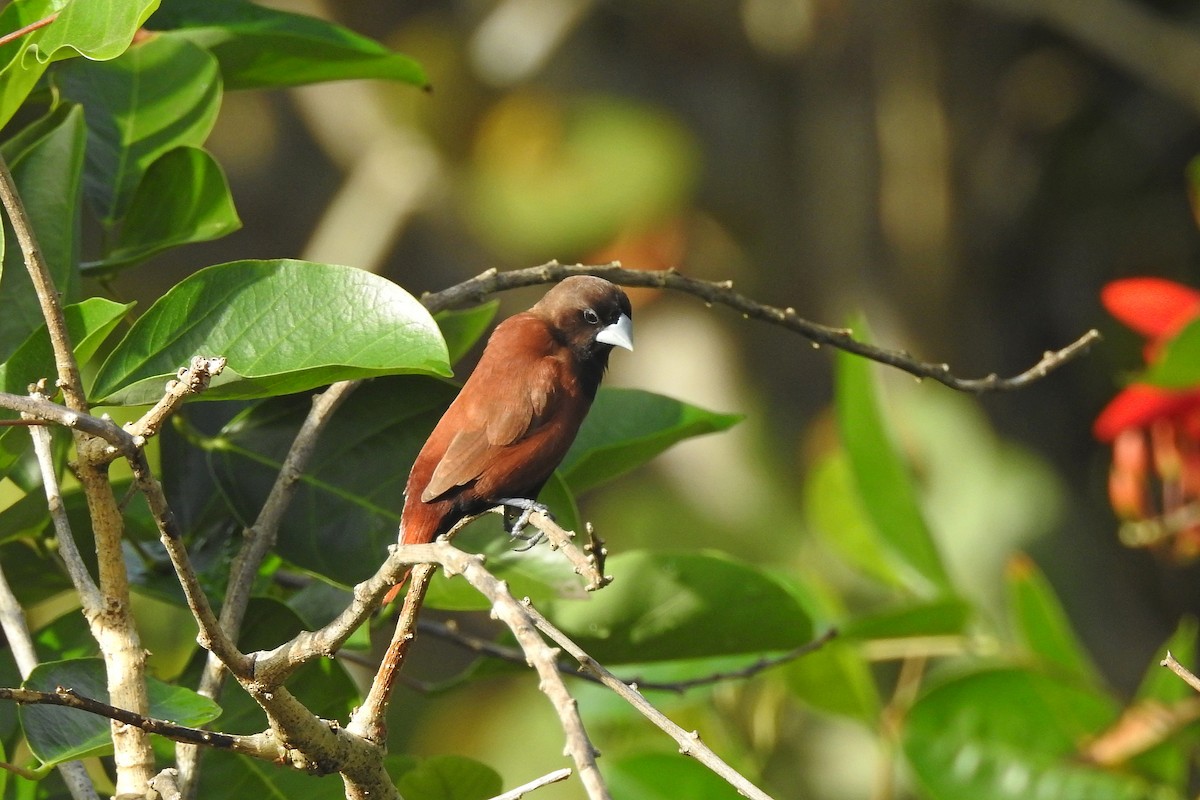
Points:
[519,411]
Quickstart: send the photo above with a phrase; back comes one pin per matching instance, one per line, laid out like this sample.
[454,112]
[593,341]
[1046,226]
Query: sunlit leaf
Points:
[284,326]
[1042,623]
[58,734]
[463,328]
[884,483]
[666,776]
[261,47]
[99,31]
[449,777]
[683,605]
[163,93]
[628,427]
[48,171]
[182,198]
[1010,734]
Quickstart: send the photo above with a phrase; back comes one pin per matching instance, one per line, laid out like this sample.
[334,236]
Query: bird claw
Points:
[515,523]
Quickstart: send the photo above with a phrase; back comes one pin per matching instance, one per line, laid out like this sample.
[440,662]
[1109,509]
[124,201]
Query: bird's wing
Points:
[503,401]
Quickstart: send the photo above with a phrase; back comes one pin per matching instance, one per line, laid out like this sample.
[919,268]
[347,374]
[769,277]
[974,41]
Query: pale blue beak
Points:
[618,334]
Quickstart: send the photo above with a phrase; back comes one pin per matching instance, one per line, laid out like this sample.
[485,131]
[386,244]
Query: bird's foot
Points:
[517,511]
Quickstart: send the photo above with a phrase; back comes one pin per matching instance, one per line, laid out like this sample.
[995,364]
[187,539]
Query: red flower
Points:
[1155,432]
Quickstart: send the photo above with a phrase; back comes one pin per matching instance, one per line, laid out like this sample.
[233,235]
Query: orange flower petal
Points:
[1138,405]
[1154,307]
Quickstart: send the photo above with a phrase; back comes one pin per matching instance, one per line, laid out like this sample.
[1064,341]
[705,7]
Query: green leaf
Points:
[663,776]
[182,198]
[1010,734]
[884,484]
[88,324]
[449,777]
[48,172]
[1162,684]
[835,512]
[664,607]
[58,734]
[99,31]
[262,47]
[628,427]
[947,616]
[161,94]
[463,328]
[1178,364]
[347,506]
[284,326]
[1161,689]
[539,573]
[1042,625]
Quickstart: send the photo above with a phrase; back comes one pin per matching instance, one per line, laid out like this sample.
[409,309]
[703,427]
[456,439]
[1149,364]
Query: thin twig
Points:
[370,720]
[257,745]
[526,788]
[113,628]
[1188,676]
[449,632]
[30,28]
[81,579]
[16,632]
[688,741]
[478,288]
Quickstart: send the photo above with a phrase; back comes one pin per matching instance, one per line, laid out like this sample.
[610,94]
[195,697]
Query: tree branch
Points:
[689,741]
[478,288]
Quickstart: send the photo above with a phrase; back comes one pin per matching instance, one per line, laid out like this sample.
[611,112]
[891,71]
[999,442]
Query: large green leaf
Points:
[263,47]
[284,326]
[58,734]
[626,428]
[99,31]
[347,506]
[182,198]
[1010,734]
[163,93]
[48,170]
[446,777]
[883,479]
[834,511]
[462,328]
[1042,623]
[666,776]
[663,607]
[88,324]
[943,616]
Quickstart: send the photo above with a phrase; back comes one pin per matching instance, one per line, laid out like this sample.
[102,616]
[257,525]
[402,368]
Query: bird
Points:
[518,412]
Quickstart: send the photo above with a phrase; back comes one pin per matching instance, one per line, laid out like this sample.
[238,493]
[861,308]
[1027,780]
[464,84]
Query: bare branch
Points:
[81,579]
[689,741]
[526,788]
[30,28]
[370,720]
[447,631]
[1183,672]
[478,288]
[16,632]
[191,380]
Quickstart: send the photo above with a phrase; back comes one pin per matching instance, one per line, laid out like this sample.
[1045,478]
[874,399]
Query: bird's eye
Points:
[590,317]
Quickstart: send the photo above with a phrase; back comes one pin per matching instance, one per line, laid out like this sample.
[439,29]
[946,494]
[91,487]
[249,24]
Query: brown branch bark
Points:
[113,627]
[478,288]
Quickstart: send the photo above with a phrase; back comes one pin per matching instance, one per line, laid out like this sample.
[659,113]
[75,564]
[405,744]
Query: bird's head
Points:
[589,315]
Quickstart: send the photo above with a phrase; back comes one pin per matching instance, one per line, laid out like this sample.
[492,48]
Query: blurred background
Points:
[966,173]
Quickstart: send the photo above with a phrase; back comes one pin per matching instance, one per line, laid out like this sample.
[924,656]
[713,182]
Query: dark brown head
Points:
[590,316]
